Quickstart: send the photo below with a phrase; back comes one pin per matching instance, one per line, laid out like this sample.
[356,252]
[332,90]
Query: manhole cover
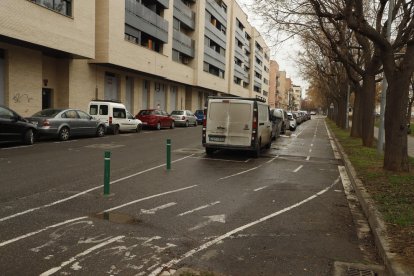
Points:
[353,269]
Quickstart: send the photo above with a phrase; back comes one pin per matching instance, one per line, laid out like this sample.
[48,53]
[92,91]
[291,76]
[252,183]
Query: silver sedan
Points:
[184,118]
[65,123]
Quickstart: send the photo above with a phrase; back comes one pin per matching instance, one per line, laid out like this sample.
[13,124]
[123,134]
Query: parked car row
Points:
[104,116]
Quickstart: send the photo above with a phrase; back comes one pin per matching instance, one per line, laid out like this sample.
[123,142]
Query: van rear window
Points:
[103,110]
[93,109]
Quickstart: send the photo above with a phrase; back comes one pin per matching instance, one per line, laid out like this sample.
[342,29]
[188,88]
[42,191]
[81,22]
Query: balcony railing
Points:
[215,34]
[184,14]
[144,19]
[183,43]
[216,11]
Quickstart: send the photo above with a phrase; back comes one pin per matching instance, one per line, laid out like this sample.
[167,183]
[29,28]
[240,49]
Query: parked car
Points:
[184,118]
[65,123]
[238,124]
[14,128]
[292,121]
[285,120]
[155,118]
[115,116]
[199,113]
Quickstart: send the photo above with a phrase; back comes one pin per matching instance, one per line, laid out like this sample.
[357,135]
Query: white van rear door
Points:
[229,122]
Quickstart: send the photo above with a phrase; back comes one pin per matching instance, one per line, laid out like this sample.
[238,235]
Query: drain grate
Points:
[353,269]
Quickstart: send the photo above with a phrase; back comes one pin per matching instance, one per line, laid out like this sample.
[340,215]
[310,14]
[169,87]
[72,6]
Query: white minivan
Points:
[236,123]
[115,116]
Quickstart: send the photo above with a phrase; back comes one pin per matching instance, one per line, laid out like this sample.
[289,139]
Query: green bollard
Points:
[168,154]
[107,172]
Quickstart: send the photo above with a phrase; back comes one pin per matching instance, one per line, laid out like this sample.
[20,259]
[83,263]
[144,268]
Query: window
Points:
[256,89]
[119,113]
[61,6]
[103,110]
[176,24]
[71,114]
[93,109]
[237,80]
[83,115]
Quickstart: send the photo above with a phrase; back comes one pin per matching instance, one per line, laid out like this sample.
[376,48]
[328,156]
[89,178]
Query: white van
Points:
[236,123]
[115,115]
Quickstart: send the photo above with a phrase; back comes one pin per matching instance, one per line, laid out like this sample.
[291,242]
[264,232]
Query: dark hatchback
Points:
[14,128]
[200,116]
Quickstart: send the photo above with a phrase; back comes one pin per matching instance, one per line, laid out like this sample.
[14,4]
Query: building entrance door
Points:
[47,98]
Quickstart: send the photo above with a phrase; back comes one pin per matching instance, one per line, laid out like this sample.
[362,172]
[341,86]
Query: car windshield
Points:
[146,112]
[47,113]
[198,112]
[177,112]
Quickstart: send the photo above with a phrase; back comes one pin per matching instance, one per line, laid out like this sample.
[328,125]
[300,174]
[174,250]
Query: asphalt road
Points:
[284,213]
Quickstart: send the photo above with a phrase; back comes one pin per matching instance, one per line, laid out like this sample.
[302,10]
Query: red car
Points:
[155,118]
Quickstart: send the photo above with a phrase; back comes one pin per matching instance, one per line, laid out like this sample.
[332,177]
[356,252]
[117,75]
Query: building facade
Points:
[144,53]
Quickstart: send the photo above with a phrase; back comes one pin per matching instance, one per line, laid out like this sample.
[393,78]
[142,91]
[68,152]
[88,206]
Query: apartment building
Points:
[297,97]
[274,98]
[145,53]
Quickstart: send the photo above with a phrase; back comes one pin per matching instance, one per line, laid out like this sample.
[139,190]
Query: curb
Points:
[391,261]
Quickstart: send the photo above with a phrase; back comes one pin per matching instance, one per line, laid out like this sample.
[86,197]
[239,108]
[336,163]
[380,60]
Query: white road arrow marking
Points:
[216,218]
[153,210]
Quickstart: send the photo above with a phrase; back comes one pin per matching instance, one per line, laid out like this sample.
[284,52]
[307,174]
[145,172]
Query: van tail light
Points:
[110,120]
[204,140]
[46,122]
[254,125]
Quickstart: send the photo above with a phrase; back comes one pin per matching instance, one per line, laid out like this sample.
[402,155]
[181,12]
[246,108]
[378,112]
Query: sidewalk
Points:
[410,142]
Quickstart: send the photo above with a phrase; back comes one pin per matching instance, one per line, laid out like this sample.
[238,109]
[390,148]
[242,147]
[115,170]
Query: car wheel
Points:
[139,128]
[28,137]
[115,130]
[186,124]
[268,145]
[158,127]
[256,152]
[209,151]
[100,132]
[172,125]
[64,134]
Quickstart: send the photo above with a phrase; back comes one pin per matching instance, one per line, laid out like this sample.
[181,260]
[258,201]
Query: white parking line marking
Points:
[154,210]
[311,145]
[198,208]
[85,192]
[148,197]
[334,148]
[261,188]
[84,253]
[252,169]
[40,231]
[79,218]
[234,231]
[307,158]
[298,168]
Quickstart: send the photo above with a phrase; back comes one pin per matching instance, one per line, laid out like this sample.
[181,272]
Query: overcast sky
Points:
[284,54]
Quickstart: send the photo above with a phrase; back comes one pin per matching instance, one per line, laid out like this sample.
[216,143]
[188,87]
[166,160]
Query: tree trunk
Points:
[368,107]
[395,154]
[356,128]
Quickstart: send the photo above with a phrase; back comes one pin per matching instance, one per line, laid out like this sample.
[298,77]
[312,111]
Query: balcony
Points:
[239,53]
[145,20]
[184,14]
[183,43]
[214,58]
[216,35]
[216,11]
[164,3]
[258,68]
